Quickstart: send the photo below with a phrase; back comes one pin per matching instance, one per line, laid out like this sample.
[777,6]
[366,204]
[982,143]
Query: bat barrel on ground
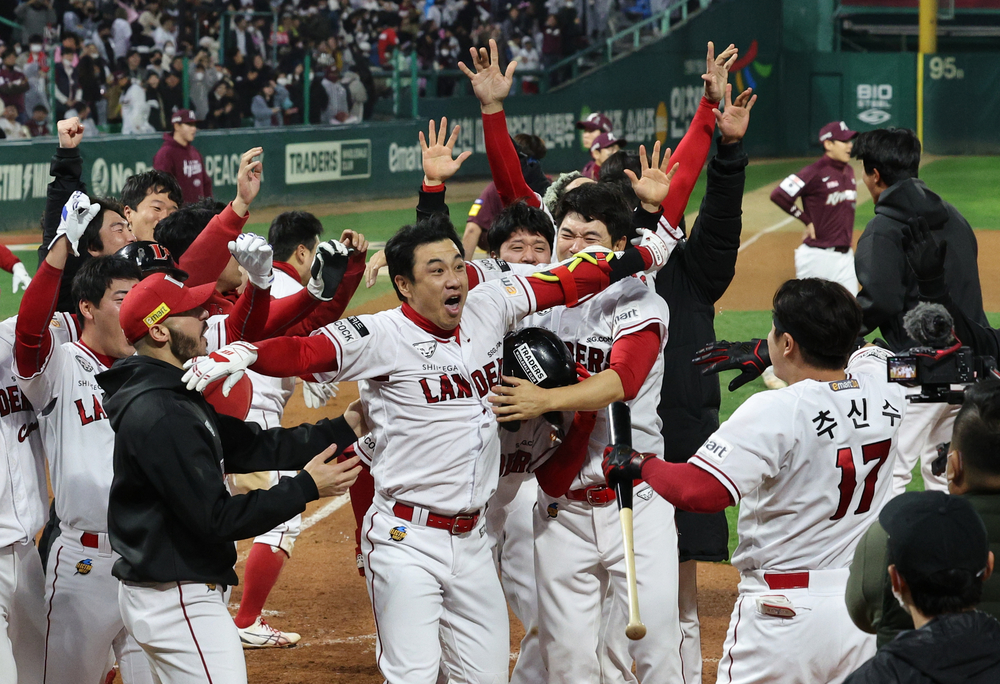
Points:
[620,433]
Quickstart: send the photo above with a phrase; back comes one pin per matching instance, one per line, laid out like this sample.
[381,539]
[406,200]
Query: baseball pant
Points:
[284,535]
[185,631]
[687,599]
[22,613]
[828,264]
[578,554]
[434,595]
[82,616]
[923,428]
[818,644]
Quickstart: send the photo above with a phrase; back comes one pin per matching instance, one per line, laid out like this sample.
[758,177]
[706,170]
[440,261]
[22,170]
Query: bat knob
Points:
[635,631]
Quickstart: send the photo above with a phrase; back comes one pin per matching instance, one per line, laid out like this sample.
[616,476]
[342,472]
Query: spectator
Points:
[528,59]
[13,83]
[72,20]
[38,124]
[85,114]
[266,112]
[179,158]
[551,42]
[105,45]
[171,93]
[165,33]
[240,37]
[337,108]
[68,91]
[34,17]
[10,126]
[121,33]
[223,109]
[117,86]
[357,95]
[158,115]
[135,110]
[133,64]
[939,555]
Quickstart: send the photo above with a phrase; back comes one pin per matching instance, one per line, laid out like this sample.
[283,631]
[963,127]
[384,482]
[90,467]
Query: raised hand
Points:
[733,121]
[247,181]
[438,163]
[21,278]
[230,362]
[77,214]
[352,239]
[328,268]
[333,477]
[717,71]
[70,132]
[750,358]
[256,257]
[489,84]
[316,394]
[375,264]
[652,187]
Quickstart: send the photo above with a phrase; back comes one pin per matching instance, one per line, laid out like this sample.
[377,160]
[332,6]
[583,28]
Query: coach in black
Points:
[170,515]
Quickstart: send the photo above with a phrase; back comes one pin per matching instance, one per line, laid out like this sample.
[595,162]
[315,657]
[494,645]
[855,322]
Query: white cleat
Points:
[262,635]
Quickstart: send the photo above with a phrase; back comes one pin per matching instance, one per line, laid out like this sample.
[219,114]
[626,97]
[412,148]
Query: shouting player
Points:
[811,467]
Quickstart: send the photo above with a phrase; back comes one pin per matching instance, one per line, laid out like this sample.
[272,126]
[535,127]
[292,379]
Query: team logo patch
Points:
[211,586]
[792,185]
[529,364]
[715,449]
[85,364]
[476,206]
[839,385]
[55,322]
[426,349]
[510,287]
[552,510]
[645,494]
[349,329]
[84,566]
[156,315]
[398,533]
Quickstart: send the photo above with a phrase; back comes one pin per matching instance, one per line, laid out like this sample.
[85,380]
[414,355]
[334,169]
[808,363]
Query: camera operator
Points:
[938,550]
[891,160]
[972,468]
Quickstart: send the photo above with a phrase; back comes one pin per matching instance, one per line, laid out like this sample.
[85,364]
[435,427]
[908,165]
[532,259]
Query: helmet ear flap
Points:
[540,357]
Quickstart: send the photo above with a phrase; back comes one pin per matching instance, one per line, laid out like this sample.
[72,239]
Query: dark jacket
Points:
[169,513]
[957,648]
[185,164]
[66,168]
[695,277]
[888,285]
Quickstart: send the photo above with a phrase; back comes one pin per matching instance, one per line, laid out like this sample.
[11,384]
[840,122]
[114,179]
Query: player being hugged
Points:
[811,467]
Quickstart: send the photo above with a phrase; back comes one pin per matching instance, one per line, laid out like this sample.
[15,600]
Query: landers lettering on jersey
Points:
[715,449]
[96,412]
[12,401]
[592,358]
[516,462]
[454,386]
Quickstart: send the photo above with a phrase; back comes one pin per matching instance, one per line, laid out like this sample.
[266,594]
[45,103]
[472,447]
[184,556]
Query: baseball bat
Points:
[620,433]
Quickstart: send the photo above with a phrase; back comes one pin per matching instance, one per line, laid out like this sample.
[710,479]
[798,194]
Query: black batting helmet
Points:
[540,357]
[152,257]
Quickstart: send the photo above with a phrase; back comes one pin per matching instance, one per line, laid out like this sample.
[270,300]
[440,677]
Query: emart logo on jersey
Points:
[715,449]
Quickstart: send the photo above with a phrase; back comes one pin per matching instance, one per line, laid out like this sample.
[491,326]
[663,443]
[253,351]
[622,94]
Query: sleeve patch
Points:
[476,206]
[493,265]
[349,329]
[840,385]
[792,185]
[715,449]
[511,288]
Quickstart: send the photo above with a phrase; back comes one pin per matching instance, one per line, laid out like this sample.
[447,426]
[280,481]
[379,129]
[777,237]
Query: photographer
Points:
[973,472]
[940,560]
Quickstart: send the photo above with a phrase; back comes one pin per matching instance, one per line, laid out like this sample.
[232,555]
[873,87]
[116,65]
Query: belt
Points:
[90,540]
[596,495]
[787,580]
[459,524]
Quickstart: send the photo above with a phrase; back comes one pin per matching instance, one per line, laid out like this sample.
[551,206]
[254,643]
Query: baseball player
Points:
[592,126]
[829,195]
[811,467]
[428,562]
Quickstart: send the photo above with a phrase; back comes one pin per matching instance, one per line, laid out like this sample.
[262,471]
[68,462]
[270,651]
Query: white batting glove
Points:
[328,268]
[256,257]
[21,277]
[231,360]
[656,246]
[316,394]
[76,216]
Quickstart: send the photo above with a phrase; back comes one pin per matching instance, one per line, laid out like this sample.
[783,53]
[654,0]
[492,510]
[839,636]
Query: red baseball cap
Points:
[155,299]
[836,130]
[184,116]
[595,122]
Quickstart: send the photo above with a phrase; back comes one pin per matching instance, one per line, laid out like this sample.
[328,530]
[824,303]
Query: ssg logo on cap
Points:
[156,315]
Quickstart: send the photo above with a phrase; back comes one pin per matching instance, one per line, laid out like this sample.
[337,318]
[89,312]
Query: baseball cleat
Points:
[262,635]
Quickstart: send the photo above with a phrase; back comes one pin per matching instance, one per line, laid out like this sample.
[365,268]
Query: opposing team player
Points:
[829,195]
[811,467]
[429,566]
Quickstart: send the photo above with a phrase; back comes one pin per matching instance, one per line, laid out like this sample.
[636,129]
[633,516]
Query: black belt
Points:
[840,250]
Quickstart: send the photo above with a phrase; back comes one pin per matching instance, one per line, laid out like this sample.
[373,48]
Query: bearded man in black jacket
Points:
[169,514]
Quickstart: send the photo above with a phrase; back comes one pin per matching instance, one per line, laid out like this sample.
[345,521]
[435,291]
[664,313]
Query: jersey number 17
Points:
[877,451]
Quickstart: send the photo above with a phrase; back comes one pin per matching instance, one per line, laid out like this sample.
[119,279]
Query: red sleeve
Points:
[556,474]
[633,356]
[505,165]
[362,494]
[289,311]
[208,255]
[585,279]
[32,339]
[325,313]
[249,315]
[691,154]
[286,357]
[7,259]
[686,486]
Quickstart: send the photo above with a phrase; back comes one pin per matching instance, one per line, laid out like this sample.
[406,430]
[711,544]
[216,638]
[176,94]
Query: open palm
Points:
[438,163]
[733,121]
[489,84]
[652,187]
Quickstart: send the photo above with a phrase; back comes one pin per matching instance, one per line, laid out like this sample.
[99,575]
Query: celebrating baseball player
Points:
[829,196]
[811,467]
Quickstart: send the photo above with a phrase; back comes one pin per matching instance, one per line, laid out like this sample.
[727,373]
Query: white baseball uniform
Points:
[24,505]
[923,429]
[811,467]
[578,546]
[83,619]
[437,454]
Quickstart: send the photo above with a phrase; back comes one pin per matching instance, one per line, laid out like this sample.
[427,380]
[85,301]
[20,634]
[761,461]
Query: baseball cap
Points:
[930,532]
[595,122]
[152,257]
[607,140]
[155,299]
[836,130]
[183,116]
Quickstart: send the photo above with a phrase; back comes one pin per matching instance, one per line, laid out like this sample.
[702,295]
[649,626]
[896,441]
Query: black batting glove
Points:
[622,464]
[328,268]
[750,358]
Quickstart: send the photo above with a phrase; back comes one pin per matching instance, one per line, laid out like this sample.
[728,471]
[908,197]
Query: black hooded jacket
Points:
[956,648]
[888,285]
[169,514]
